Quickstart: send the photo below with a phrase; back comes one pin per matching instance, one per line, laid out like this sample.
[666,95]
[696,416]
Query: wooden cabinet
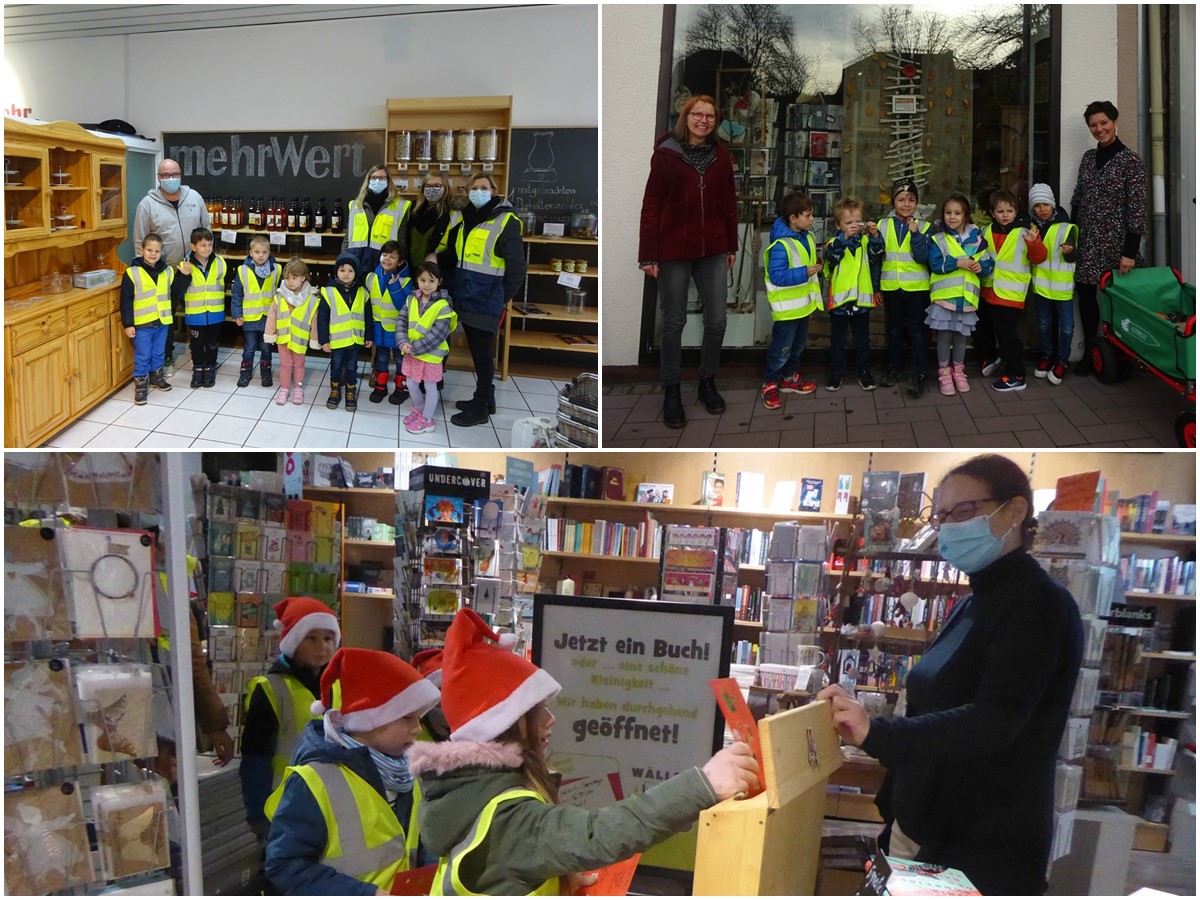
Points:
[39,390]
[540,321]
[89,363]
[24,192]
[413,121]
[121,351]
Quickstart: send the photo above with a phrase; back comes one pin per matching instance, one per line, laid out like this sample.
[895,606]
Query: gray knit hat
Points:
[1041,193]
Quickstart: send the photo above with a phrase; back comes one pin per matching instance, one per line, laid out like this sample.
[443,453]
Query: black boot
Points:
[159,380]
[264,370]
[335,395]
[1084,367]
[673,416]
[352,395]
[707,394]
[141,388]
[197,376]
[491,404]
[379,389]
[210,375]
[245,374]
[400,394]
[474,413]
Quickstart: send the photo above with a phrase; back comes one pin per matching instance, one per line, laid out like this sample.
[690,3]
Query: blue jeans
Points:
[1047,312]
[383,358]
[906,312]
[709,273]
[253,340]
[149,347]
[788,338]
[343,364]
[858,325]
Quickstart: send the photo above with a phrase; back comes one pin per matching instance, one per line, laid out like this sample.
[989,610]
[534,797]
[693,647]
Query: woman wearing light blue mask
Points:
[487,256]
[377,215]
[970,781]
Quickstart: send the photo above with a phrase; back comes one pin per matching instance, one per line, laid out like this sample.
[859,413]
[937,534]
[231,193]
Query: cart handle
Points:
[1107,277]
[1190,328]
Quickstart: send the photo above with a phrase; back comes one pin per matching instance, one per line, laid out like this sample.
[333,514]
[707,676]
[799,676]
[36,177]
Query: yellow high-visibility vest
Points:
[850,281]
[347,322]
[949,288]
[1010,278]
[256,292]
[206,293]
[1054,279]
[151,295]
[383,228]
[382,306]
[292,704]
[798,300]
[293,324]
[479,252]
[419,326]
[900,271]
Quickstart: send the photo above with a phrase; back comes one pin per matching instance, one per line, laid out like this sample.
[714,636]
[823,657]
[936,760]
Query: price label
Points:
[488,167]
[443,167]
[312,240]
[278,238]
[553,229]
[422,167]
[567,279]
[228,237]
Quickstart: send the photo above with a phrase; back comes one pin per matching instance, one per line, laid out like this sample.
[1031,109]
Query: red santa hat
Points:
[297,616]
[486,688]
[369,688]
[429,664]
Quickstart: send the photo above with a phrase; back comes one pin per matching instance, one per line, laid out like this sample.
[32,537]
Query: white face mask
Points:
[377,185]
[480,196]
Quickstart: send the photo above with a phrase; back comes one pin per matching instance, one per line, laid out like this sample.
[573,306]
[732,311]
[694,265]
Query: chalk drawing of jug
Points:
[540,164]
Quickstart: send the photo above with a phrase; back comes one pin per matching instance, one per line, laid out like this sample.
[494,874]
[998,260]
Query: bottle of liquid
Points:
[215,212]
[276,215]
[250,213]
[306,215]
[239,212]
[293,216]
[321,218]
[268,215]
[336,223]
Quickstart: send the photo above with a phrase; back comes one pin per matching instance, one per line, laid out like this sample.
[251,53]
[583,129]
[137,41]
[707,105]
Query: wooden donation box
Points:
[771,843]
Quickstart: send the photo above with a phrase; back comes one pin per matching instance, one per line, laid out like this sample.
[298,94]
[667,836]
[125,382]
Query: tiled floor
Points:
[227,416]
[1080,412]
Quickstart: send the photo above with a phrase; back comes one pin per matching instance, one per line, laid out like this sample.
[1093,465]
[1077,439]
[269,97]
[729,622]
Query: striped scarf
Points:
[393,770]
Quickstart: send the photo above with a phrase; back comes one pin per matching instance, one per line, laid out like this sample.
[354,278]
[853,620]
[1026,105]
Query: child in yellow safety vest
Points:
[423,330]
[1014,250]
[388,288]
[790,267]
[488,799]
[290,327]
[146,316]
[957,257]
[344,821]
[199,287]
[853,258]
[344,326]
[279,703]
[254,285]
[1054,283]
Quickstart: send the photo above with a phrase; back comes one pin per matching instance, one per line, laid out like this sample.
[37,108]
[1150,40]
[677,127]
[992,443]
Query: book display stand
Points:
[770,844]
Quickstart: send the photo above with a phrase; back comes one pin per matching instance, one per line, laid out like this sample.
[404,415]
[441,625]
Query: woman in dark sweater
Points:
[970,780]
[689,233]
[1109,206]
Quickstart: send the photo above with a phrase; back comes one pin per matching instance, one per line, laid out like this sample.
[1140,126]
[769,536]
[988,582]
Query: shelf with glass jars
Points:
[457,136]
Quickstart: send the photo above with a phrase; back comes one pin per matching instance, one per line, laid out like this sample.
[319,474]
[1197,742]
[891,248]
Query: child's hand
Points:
[576,881]
[1068,248]
[185,267]
[325,348]
[406,348]
[1031,237]
[130,332]
[872,229]
[964,263]
[368,344]
[240,321]
[912,226]
[814,269]
[733,771]
[878,299]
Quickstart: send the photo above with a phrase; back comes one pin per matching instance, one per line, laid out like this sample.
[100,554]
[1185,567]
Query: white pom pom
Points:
[318,708]
[507,641]
[276,624]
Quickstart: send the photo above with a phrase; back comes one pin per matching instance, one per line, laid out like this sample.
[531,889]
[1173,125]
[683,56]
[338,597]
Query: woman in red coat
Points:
[689,233]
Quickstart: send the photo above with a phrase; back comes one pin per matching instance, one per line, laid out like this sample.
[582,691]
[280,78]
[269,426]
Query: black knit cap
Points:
[905,184]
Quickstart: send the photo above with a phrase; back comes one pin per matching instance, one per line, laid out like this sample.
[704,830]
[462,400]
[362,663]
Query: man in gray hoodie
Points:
[171,210]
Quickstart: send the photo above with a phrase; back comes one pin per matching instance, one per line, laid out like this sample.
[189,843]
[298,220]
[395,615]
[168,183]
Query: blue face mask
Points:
[970,546]
[377,185]
[479,198]
[169,185]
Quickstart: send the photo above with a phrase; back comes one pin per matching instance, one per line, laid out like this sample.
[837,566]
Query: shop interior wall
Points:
[316,75]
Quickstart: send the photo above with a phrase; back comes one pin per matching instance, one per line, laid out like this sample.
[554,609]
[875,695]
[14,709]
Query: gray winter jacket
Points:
[156,213]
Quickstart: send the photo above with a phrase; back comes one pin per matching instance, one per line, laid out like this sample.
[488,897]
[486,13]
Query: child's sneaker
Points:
[1004,383]
[916,385]
[992,366]
[959,373]
[866,381]
[833,383]
[946,381]
[797,385]
[282,396]
[770,395]
[419,424]
[1057,373]
[1043,368]
[889,377]
[298,394]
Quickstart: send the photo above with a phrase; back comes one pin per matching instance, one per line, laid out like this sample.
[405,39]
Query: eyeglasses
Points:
[960,512]
[704,117]
[168,174]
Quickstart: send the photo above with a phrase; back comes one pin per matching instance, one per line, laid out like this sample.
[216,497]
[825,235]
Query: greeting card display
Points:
[40,731]
[443,510]
[46,845]
[115,702]
[131,828]
[109,581]
[34,603]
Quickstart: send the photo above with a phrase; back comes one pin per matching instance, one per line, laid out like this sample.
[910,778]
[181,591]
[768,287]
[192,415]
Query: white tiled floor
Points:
[227,416]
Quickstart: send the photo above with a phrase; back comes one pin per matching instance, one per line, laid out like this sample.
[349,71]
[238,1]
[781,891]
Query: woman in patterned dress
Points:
[1109,206]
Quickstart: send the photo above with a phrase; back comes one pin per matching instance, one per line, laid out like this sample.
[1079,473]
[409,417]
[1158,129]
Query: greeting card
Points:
[34,603]
[109,581]
[40,731]
[131,828]
[45,841]
[115,702]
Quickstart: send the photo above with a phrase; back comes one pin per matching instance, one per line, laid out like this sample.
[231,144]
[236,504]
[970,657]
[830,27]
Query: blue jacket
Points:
[297,838]
[779,267]
[236,298]
[400,294]
[179,290]
[835,252]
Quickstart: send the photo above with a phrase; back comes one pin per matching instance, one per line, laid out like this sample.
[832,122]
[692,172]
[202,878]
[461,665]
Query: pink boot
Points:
[946,381]
[960,378]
